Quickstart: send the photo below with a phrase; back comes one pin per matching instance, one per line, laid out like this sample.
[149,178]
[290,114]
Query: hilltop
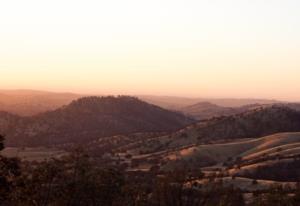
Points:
[90,118]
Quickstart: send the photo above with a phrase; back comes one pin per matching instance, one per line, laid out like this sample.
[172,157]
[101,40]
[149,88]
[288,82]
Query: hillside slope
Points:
[246,150]
[274,157]
[91,118]
[253,124]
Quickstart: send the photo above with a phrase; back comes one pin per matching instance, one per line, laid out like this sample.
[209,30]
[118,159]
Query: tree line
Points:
[77,180]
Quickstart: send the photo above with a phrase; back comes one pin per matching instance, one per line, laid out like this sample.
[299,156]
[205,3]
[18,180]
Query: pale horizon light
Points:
[191,48]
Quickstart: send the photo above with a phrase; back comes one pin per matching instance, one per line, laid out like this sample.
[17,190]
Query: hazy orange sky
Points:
[209,48]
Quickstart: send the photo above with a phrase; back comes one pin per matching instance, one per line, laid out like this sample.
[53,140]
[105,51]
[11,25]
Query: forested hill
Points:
[90,118]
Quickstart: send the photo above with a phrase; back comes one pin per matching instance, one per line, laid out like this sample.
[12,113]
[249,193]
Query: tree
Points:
[9,171]
[74,180]
[1,142]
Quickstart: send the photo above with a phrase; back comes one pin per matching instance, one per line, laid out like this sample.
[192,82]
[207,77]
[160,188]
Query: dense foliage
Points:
[76,180]
[252,124]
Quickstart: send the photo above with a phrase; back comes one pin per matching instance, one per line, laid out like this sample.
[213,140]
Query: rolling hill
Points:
[177,103]
[274,157]
[247,150]
[207,110]
[90,118]
[252,124]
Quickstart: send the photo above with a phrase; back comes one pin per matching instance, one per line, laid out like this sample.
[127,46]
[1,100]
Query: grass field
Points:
[32,154]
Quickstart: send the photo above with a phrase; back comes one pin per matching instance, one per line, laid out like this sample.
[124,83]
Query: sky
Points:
[192,48]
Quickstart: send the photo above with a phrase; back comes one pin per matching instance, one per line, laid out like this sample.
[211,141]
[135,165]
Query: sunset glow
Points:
[237,48]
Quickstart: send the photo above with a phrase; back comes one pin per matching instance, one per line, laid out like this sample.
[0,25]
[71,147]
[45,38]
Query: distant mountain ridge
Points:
[177,103]
[30,102]
[207,110]
[88,119]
